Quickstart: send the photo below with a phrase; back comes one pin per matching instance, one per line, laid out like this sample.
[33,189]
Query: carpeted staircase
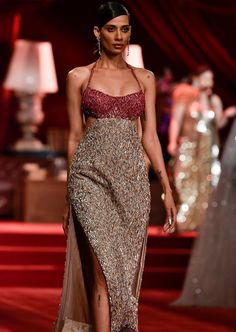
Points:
[31,273]
[167,258]
[33,255]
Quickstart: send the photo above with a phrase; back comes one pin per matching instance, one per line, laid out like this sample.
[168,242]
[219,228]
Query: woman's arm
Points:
[220,119]
[222,116]
[74,81]
[174,127]
[177,114]
[181,96]
[151,141]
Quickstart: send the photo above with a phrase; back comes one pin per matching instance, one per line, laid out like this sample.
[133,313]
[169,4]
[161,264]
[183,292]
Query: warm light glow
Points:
[133,55]
[32,68]
[31,75]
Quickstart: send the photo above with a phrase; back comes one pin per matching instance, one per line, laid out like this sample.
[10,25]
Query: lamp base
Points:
[29,145]
[29,116]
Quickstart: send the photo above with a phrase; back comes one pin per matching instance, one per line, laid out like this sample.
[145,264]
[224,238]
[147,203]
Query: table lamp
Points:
[31,75]
[133,55]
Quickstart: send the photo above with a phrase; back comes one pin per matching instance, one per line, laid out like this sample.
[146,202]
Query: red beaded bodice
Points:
[98,104]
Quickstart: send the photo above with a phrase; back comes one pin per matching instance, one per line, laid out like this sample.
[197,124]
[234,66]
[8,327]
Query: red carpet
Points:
[31,267]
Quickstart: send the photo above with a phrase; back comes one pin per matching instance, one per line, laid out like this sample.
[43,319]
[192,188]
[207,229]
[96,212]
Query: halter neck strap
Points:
[135,76]
[91,74]
[129,66]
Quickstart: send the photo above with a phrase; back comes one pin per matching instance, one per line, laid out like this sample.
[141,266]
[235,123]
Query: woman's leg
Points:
[95,283]
[100,301]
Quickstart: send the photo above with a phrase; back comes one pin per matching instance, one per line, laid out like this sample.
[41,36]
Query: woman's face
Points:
[115,34]
[206,80]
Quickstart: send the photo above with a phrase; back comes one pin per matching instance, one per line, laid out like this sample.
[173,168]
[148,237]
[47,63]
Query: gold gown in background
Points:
[196,168]
[211,275]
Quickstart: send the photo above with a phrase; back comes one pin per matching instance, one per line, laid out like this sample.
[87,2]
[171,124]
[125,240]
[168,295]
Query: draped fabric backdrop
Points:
[191,32]
[179,34]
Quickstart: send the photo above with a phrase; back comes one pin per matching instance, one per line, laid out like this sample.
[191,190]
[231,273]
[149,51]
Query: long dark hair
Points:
[109,10]
[200,69]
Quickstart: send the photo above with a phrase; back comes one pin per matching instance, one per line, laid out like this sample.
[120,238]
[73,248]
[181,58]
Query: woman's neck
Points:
[111,62]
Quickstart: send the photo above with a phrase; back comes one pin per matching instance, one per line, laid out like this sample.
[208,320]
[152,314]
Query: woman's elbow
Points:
[75,137]
[149,139]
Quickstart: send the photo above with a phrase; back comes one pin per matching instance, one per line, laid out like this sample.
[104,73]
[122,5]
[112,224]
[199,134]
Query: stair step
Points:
[157,238]
[165,278]
[171,241]
[31,275]
[33,255]
[29,234]
[32,239]
[27,255]
[167,257]
[52,276]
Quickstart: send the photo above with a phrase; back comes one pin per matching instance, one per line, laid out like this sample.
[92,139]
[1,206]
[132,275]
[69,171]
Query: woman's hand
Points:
[230,112]
[172,148]
[65,219]
[170,223]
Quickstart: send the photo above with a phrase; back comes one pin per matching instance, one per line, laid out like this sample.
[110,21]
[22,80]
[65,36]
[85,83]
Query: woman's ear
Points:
[130,30]
[96,32]
[195,81]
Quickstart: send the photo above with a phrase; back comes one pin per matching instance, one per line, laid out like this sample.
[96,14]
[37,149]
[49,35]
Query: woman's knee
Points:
[99,280]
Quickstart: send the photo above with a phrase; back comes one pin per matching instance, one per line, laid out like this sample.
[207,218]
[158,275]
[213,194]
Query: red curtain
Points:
[9,29]
[177,33]
[186,30]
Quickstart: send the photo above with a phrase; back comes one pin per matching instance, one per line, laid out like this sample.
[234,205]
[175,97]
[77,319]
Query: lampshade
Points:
[133,55]
[32,68]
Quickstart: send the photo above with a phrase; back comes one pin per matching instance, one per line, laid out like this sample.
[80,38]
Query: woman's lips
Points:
[118,45]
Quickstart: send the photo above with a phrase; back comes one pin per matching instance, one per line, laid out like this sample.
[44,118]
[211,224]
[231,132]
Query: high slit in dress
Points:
[109,193]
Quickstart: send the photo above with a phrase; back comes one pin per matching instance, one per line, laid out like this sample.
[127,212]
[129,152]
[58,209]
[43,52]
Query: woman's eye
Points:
[110,29]
[125,29]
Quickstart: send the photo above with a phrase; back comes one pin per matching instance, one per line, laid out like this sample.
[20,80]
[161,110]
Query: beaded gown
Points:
[110,201]
[196,169]
[211,275]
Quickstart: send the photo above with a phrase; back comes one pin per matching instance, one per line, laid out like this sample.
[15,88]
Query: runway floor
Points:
[34,310]
[31,272]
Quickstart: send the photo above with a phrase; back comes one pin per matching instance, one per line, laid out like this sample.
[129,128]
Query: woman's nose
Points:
[118,35]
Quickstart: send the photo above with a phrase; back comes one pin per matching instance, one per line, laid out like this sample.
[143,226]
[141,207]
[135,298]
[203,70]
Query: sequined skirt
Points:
[110,198]
[196,171]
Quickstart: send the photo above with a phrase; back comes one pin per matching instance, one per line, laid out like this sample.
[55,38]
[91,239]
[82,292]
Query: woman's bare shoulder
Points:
[143,73]
[215,99]
[145,76]
[79,74]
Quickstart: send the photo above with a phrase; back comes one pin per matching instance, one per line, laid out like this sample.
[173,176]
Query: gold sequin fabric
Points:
[210,277]
[110,194]
[74,326]
[196,170]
